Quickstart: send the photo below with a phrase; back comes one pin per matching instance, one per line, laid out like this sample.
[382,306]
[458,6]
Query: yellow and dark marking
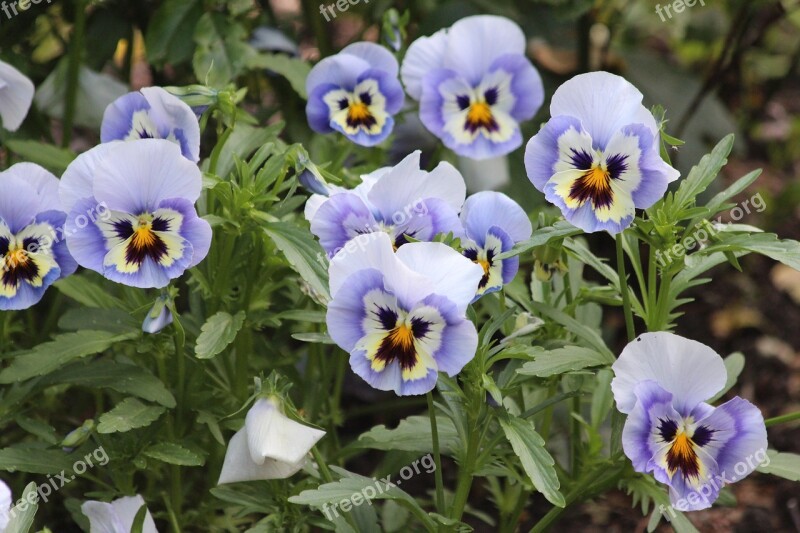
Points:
[682,454]
[17,265]
[143,241]
[485,261]
[358,112]
[595,183]
[479,112]
[399,342]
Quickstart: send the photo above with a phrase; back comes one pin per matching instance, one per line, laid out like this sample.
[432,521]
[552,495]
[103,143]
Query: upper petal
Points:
[405,185]
[239,466]
[19,203]
[473,44]
[16,96]
[272,435]
[5,505]
[604,103]
[692,372]
[78,179]
[375,55]
[488,208]
[126,509]
[102,517]
[453,275]
[424,54]
[341,70]
[135,177]
[179,118]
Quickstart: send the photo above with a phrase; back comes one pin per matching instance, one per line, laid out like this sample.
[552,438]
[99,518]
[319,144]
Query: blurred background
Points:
[715,66]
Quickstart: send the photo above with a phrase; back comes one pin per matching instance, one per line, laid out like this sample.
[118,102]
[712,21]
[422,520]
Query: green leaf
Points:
[786,251]
[111,320]
[785,465]
[124,378]
[570,358]
[138,519]
[83,290]
[174,454]
[701,176]
[222,52]
[412,434]
[53,158]
[36,460]
[167,39]
[536,460]
[559,230]
[242,142]
[22,520]
[738,186]
[734,364]
[217,333]
[293,69]
[589,336]
[303,252]
[313,337]
[129,414]
[63,349]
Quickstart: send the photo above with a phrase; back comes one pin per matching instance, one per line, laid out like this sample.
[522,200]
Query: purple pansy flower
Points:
[401,316]
[356,92]
[493,223]
[474,85]
[16,96]
[598,157]
[152,113]
[33,254]
[662,383]
[402,201]
[148,231]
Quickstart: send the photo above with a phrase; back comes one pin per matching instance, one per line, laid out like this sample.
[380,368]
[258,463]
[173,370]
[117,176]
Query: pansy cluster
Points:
[124,209]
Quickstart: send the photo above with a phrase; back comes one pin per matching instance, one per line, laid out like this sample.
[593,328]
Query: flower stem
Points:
[623,288]
[74,71]
[437,457]
[791,417]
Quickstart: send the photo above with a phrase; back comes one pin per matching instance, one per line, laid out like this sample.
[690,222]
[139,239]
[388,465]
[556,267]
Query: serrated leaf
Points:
[35,460]
[302,252]
[786,251]
[129,414]
[587,335]
[412,434]
[63,349]
[217,333]
[782,464]
[541,236]
[536,460]
[174,454]
[558,361]
[124,378]
[701,175]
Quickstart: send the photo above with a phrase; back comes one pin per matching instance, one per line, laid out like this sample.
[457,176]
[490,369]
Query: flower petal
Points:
[272,435]
[423,56]
[453,275]
[486,209]
[375,55]
[77,181]
[238,466]
[692,372]
[16,96]
[126,509]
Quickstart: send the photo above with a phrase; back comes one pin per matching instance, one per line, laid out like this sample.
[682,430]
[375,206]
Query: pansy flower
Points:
[152,113]
[356,92]
[33,254]
[117,516]
[474,85]
[493,223]
[269,446]
[598,157]
[5,505]
[147,231]
[402,201]
[662,383]
[16,96]
[401,316]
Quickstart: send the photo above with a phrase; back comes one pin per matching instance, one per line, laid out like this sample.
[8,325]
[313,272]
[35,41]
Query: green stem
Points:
[316,21]
[437,457]
[465,474]
[791,417]
[623,288]
[73,71]
[651,288]
[575,438]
